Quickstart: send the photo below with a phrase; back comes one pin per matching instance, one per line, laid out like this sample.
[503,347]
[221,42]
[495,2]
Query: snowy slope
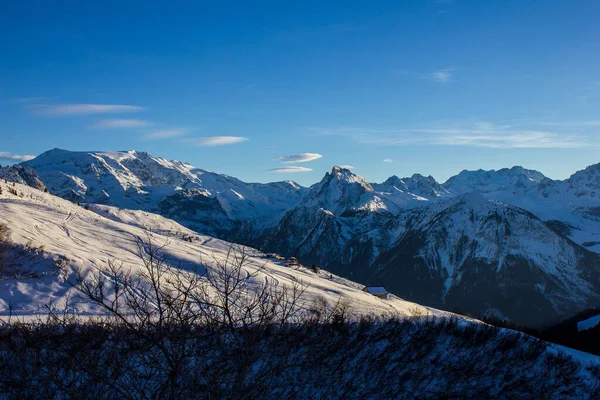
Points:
[51,236]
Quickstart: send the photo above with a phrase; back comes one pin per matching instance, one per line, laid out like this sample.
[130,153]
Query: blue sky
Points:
[269,91]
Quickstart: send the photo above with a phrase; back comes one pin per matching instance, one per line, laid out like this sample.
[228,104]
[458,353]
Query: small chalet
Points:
[377,291]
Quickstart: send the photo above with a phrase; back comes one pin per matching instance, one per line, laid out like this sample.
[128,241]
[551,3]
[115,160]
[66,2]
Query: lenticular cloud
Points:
[290,169]
[304,157]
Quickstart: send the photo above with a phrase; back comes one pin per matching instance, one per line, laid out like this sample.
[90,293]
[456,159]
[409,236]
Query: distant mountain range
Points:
[510,243]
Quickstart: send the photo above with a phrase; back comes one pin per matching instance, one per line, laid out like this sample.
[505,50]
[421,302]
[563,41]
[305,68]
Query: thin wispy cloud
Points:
[370,135]
[120,123]
[524,139]
[5,155]
[166,133]
[388,160]
[482,134]
[440,76]
[345,166]
[590,123]
[304,157]
[575,124]
[216,140]
[60,110]
[290,169]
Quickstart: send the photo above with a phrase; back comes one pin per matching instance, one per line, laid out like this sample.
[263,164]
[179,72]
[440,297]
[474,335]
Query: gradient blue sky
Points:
[428,86]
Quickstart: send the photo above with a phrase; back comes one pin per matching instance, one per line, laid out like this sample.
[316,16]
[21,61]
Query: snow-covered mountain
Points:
[411,192]
[510,242]
[467,253]
[485,257]
[338,208]
[572,205]
[200,199]
[493,181]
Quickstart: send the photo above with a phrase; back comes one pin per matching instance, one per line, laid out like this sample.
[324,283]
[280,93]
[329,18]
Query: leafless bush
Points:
[402,358]
[163,306]
[33,249]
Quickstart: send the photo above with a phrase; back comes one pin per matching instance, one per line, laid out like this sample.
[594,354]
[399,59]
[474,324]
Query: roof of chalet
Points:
[375,290]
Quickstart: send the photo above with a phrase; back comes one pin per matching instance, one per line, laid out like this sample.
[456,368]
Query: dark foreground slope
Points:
[399,359]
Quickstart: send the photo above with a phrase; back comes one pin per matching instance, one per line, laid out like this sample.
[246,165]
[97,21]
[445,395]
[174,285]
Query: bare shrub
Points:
[397,358]
[168,309]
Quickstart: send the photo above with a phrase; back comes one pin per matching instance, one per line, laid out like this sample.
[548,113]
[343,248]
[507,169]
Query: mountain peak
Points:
[54,151]
[393,181]
[591,170]
[586,183]
[418,185]
[338,191]
[488,181]
[337,168]
[345,175]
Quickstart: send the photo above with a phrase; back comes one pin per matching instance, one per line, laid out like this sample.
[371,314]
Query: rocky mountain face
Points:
[411,192]
[572,205]
[479,256]
[337,209]
[510,243]
[23,175]
[460,245]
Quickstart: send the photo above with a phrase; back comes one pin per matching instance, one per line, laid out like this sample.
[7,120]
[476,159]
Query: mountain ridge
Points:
[512,219]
